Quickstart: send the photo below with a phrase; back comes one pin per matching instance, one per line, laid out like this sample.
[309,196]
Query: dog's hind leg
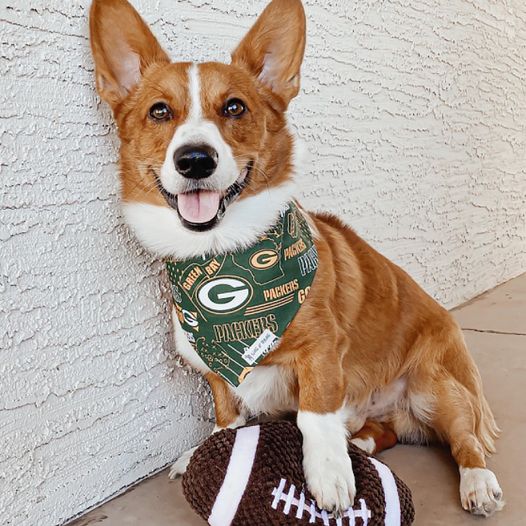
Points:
[463,419]
[374,437]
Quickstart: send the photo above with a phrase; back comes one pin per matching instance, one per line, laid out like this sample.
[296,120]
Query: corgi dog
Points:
[207,164]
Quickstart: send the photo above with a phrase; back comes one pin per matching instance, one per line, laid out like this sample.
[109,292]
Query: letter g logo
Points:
[224,294]
[264,259]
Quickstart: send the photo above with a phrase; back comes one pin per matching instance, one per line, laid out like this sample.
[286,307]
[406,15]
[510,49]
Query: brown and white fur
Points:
[370,353]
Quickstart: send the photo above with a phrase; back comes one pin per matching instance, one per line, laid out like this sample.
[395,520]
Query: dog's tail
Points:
[467,373]
[487,430]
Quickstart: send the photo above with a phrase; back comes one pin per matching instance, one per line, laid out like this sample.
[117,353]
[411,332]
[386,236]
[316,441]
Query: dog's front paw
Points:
[179,467]
[480,492]
[330,480]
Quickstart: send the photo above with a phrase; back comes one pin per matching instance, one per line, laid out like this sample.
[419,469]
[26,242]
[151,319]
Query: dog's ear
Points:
[273,48]
[122,46]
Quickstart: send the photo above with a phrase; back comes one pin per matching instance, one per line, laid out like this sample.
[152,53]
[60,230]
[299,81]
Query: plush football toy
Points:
[253,476]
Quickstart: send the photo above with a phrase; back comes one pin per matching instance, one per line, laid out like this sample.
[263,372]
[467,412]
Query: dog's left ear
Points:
[273,48]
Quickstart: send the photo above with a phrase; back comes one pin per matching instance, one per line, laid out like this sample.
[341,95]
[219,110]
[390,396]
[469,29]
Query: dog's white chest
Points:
[266,390]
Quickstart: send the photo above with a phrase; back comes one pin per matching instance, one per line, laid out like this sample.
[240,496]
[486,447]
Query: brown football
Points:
[253,476]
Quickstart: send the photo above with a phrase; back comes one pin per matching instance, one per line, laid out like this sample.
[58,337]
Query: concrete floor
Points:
[495,329]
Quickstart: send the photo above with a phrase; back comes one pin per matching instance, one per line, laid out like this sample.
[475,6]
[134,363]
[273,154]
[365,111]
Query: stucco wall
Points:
[414,117]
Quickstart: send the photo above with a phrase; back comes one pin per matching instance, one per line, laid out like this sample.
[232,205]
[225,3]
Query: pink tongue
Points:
[198,207]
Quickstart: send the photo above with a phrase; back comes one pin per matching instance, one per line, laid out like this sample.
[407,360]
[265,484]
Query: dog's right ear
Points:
[122,46]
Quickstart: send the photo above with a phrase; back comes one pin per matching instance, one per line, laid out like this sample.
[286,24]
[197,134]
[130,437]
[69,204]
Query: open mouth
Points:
[202,209]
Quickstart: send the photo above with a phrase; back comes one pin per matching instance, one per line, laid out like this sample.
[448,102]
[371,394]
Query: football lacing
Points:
[299,503]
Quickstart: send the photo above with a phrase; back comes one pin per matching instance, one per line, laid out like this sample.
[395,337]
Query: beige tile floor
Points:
[495,329]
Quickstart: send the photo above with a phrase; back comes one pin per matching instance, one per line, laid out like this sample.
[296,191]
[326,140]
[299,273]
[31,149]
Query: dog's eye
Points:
[234,108]
[160,112]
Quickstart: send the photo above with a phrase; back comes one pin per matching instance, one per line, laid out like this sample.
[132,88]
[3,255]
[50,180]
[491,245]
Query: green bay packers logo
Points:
[224,294]
[264,259]
[190,318]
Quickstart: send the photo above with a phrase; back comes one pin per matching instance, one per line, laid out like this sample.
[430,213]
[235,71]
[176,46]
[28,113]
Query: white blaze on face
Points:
[194,91]
[197,130]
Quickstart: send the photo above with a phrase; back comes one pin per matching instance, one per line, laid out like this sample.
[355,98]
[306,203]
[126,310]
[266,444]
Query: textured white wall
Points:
[414,115]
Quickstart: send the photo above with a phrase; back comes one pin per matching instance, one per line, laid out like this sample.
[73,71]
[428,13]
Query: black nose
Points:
[195,161]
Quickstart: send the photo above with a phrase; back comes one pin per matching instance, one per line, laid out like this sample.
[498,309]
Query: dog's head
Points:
[200,143]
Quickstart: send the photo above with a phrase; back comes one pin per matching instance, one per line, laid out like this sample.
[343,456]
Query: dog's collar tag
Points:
[235,307]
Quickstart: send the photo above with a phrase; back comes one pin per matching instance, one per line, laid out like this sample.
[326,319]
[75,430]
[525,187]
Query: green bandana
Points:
[234,307]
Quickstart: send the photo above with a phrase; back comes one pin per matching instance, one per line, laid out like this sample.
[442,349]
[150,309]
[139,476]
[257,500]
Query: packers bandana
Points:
[235,307]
